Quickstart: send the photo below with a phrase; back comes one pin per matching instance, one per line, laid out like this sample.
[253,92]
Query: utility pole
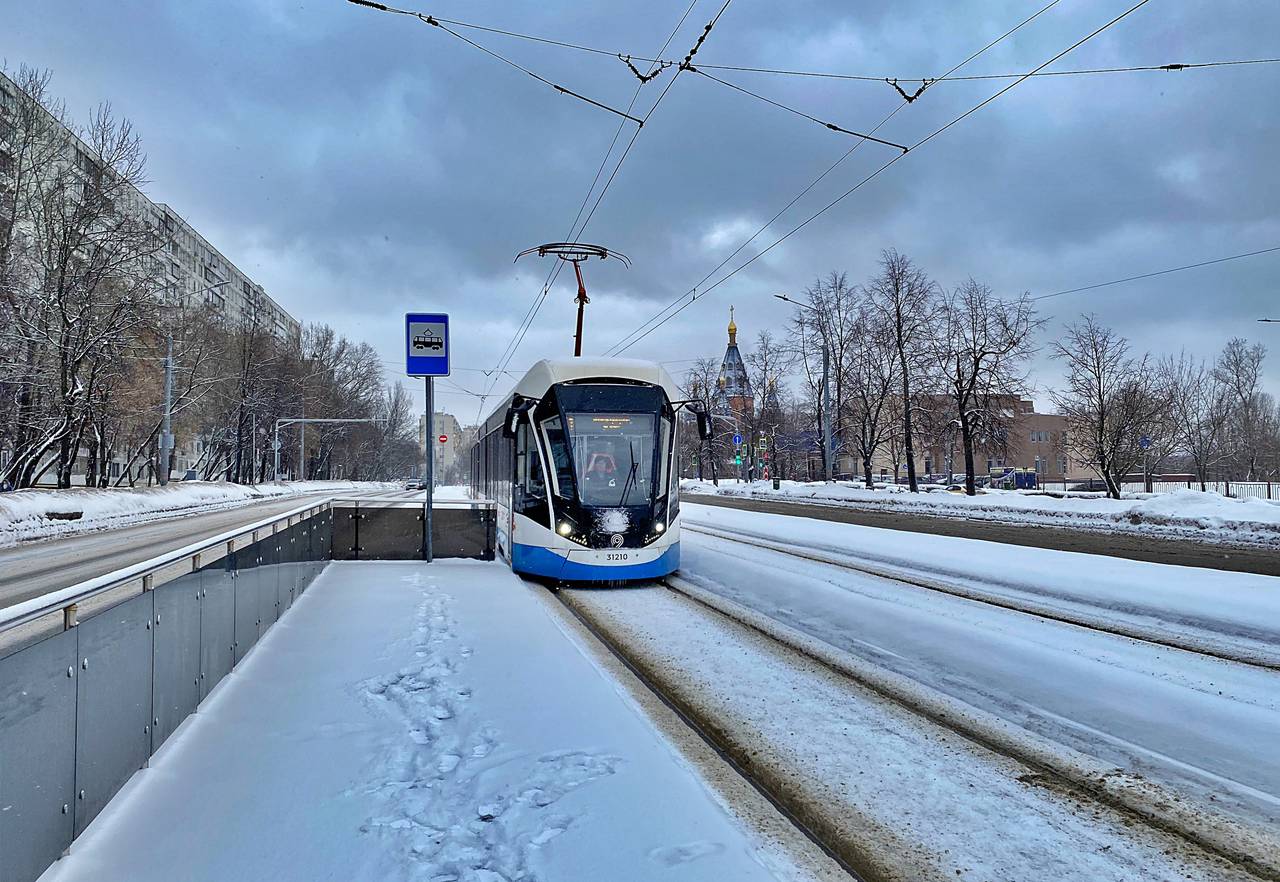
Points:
[828,452]
[431,466]
[166,420]
[301,422]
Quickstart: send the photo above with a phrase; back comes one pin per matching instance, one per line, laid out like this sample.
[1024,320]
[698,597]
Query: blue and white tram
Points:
[581,461]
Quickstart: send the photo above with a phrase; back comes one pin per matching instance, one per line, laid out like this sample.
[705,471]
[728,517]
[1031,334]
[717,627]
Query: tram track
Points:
[709,733]
[1207,645]
[1050,765]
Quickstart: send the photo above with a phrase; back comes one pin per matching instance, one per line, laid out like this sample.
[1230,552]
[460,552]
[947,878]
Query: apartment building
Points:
[450,452]
[187,268]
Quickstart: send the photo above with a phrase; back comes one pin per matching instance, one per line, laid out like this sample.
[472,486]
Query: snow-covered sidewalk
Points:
[418,722]
[27,515]
[1177,514]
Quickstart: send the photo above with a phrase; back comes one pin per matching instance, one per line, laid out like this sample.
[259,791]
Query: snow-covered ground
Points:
[1203,726]
[1180,513]
[900,797]
[418,722]
[28,514]
[1236,614]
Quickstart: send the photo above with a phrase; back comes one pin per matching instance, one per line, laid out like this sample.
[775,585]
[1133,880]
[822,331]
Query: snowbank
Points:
[41,514]
[1189,513]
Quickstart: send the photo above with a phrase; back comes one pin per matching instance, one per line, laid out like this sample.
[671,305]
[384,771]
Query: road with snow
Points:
[34,568]
[1200,724]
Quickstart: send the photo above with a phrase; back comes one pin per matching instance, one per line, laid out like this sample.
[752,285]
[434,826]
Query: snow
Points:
[1239,612]
[1198,724]
[910,799]
[613,520]
[412,721]
[25,514]
[1180,513]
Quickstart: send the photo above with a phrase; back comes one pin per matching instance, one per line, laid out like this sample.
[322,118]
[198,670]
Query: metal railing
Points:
[394,529]
[95,677]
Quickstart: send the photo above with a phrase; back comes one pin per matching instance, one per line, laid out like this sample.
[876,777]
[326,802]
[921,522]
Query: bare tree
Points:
[768,362]
[979,348]
[1200,412]
[1111,400]
[699,384]
[90,288]
[870,381]
[903,295]
[1239,370]
[830,322]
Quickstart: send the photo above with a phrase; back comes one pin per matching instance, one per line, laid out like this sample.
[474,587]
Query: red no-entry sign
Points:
[444,438]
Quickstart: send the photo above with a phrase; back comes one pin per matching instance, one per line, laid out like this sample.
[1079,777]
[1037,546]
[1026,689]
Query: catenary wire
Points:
[829,125]
[438,23]
[808,188]
[881,169]
[1175,66]
[1163,272]
[532,313]
[663,62]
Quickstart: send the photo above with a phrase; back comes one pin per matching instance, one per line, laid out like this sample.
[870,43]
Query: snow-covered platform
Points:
[418,721]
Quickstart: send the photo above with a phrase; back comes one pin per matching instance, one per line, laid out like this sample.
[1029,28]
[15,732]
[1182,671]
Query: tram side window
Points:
[560,460]
[664,440]
[528,466]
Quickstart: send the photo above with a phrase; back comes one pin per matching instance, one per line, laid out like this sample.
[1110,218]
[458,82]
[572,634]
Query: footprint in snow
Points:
[682,854]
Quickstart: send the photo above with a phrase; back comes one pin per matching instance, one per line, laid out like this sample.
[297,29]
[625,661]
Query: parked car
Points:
[1092,484]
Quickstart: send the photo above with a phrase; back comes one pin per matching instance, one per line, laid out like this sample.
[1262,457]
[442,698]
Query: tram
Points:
[581,461]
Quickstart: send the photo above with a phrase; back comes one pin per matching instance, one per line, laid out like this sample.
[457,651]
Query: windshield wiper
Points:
[631,474]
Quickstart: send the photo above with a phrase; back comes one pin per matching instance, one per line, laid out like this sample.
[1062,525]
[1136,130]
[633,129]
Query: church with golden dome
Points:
[734,395]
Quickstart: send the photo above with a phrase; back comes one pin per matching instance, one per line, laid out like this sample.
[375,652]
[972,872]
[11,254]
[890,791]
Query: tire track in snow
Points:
[461,804]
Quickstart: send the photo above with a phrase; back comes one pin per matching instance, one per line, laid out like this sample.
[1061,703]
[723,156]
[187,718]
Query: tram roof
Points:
[549,371]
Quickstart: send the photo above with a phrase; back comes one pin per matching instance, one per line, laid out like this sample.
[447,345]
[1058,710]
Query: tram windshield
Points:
[613,457]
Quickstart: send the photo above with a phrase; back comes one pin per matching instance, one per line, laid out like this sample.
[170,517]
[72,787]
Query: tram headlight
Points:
[659,526]
[565,529]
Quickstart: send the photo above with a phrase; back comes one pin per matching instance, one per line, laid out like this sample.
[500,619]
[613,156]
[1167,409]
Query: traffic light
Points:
[737,460]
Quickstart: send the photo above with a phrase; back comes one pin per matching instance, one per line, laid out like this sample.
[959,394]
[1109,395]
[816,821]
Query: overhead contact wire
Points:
[886,165]
[693,292]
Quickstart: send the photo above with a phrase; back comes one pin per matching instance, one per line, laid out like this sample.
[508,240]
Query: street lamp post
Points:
[302,421]
[827,451]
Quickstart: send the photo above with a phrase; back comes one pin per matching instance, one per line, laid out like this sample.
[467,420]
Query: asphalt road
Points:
[1182,552]
[36,568]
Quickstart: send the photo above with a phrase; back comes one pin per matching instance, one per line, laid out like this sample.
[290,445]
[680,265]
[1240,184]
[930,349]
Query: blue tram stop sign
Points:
[426,344]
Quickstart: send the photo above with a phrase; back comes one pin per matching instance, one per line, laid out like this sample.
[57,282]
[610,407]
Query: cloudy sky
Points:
[360,164]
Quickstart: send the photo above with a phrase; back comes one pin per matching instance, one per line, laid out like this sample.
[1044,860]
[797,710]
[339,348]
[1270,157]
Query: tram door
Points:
[529,493]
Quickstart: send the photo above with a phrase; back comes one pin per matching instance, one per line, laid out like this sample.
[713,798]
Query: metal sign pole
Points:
[431,464]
